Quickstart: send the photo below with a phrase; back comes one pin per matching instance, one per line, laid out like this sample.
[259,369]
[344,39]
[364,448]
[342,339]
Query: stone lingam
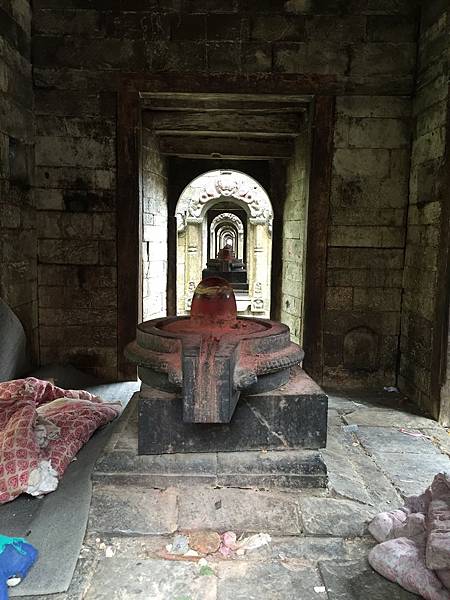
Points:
[227,266]
[216,382]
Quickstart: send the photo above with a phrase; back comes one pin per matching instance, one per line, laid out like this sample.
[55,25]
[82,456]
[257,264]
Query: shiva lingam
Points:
[227,266]
[213,356]
[216,382]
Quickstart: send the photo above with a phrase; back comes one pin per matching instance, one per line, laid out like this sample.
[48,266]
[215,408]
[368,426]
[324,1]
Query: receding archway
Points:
[241,219]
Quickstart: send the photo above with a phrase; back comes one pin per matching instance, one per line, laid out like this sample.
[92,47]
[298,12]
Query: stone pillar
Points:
[193,266]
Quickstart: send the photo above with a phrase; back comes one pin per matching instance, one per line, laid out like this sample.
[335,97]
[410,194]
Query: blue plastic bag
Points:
[17,557]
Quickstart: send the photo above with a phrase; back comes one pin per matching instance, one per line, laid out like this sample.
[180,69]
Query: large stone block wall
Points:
[428,195]
[17,228]
[82,47]
[294,238]
[154,229]
[369,199]
[75,204]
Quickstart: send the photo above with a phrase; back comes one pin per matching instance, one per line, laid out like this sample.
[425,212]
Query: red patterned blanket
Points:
[42,427]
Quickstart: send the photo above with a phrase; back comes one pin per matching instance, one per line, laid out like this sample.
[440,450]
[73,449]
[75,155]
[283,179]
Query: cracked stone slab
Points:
[335,517]
[388,439]
[128,579]
[292,416]
[127,461]
[305,548]
[122,431]
[131,547]
[334,418]
[343,476]
[411,473]
[356,580]
[133,510]
[441,439]
[385,417]
[271,580]
[354,475]
[239,510]
[271,469]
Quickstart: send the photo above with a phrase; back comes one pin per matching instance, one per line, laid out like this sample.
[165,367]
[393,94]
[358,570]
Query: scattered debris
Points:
[320,589]
[252,543]
[350,428]
[205,542]
[110,551]
[180,545]
[228,543]
[416,434]
[218,504]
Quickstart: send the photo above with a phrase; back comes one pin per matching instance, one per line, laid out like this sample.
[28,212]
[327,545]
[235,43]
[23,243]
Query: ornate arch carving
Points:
[209,188]
[228,217]
[222,222]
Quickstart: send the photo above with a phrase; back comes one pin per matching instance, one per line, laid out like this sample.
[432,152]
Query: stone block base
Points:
[291,417]
[288,469]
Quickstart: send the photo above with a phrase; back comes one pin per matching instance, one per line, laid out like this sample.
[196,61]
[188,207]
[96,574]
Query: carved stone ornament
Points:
[211,187]
[227,218]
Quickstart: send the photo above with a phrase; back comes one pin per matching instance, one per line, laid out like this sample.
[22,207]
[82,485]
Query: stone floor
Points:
[319,537]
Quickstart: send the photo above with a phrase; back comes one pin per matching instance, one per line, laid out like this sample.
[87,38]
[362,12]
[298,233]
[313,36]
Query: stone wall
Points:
[154,229]
[17,229]
[426,247]
[369,198]
[75,203]
[82,48]
[294,238]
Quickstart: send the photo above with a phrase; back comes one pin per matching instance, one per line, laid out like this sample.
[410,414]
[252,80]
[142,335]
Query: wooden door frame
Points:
[322,89]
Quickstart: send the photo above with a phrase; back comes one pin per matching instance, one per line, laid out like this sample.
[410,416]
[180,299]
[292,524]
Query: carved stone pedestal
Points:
[293,417]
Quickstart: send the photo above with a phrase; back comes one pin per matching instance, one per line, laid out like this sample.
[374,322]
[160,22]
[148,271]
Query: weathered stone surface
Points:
[273,580]
[329,516]
[239,510]
[121,578]
[294,416]
[18,280]
[411,473]
[373,417]
[133,510]
[299,469]
[354,580]
[385,439]
[125,466]
[352,474]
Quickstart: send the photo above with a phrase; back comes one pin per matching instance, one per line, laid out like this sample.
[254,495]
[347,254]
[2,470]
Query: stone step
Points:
[285,469]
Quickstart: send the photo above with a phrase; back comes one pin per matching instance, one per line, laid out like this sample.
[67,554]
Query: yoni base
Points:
[292,417]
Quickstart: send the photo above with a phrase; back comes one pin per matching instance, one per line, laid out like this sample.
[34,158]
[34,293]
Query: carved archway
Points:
[233,192]
[219,185]
[220,225]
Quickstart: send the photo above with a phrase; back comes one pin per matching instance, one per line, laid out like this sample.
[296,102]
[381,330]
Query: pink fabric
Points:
[415,542]
[78,415]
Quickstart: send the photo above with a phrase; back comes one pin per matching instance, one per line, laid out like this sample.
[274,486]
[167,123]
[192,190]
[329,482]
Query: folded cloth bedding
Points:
[414,548]
[42,427]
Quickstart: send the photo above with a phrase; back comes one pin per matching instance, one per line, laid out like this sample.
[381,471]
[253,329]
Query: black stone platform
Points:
[291,417]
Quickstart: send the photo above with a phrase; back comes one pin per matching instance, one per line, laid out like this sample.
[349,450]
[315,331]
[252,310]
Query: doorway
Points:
[228,210]
[272,140]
